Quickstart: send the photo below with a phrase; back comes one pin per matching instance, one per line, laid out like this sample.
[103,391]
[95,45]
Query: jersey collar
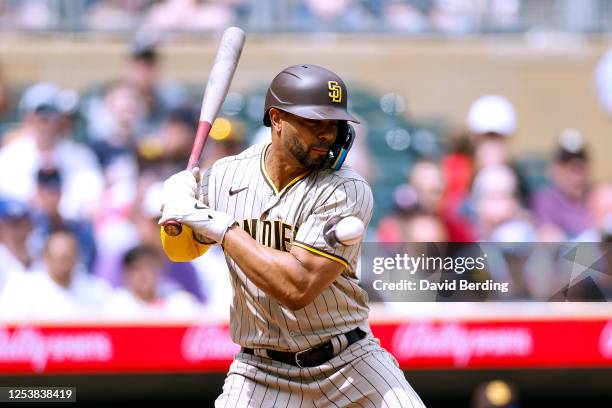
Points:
[266,176]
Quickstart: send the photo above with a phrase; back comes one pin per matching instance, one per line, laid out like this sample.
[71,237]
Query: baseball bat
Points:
[219,80]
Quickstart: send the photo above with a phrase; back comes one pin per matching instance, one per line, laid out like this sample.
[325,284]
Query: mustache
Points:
[323,146]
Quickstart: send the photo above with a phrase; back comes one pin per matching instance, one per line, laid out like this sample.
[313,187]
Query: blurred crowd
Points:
[411,16]
[476,191]
[80,194]
[80,199]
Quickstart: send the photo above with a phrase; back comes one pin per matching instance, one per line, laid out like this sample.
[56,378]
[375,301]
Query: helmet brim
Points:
[316,112]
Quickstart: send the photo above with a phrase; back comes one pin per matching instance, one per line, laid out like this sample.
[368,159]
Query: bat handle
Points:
[173,227]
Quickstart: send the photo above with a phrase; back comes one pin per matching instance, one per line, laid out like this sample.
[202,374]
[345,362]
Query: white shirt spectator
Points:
[83,178]
[35,296]
[123,305]
[10,267]
[213,273]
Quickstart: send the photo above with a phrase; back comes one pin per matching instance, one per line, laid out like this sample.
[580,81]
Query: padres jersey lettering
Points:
[295,215]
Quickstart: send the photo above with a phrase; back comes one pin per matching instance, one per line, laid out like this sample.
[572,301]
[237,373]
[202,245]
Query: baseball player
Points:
[297,310]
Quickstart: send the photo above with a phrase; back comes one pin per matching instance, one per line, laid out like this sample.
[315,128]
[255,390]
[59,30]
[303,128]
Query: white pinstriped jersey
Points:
[239,186]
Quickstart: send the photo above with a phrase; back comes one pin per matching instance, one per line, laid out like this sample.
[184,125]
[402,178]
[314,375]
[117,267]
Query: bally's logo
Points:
[335,91]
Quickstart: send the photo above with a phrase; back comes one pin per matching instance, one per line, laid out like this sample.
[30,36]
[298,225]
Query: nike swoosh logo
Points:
[197,207]
[233,192]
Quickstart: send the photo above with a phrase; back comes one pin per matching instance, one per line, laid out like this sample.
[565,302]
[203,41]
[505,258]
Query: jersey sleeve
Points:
[186,246]
[204,184]
[351,198]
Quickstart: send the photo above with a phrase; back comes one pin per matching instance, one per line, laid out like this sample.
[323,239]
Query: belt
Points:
[312,357]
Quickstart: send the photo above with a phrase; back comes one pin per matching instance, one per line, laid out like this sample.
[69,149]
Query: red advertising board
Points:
[416,345]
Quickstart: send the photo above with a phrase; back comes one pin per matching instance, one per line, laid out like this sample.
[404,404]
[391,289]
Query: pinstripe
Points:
[338,309]
[277,387]
[287,328]
[314,304]
[244,171]
[383,378]
[401,381]
[327,307]
[218,191]
[338,388]
[241,388]
[259,320]
[350,363]
[229,389]
[321,389]
[247,281]
[263,398]
[333,206]
[302,393]
[309,323]
[354,366]
[289,398]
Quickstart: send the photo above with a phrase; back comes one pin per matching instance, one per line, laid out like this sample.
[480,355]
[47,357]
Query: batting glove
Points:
[181,184]
[202,220]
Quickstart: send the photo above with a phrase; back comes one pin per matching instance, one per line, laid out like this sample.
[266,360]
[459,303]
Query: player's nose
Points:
[327,134]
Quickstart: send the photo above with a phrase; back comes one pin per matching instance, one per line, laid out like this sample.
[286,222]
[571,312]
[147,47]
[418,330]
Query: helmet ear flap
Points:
[342,145]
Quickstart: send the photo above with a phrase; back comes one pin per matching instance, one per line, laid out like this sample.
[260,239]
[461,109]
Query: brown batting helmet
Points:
[308,91]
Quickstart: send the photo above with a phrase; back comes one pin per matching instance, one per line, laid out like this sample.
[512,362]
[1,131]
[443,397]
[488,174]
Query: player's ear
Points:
[275,120]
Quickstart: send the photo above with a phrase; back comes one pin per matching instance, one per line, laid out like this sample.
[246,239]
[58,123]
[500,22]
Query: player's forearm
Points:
[277,273]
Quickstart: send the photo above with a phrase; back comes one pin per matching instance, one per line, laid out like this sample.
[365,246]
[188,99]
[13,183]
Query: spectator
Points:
[360,158]
[167,151]
[599,203]
[15,227]
[114,131]
[342,15]
[113,15]
[561,209]
[603,82]
[141,72]
[5,97]
[65,101]
[423,227]
[492,121]
[500,218]
[413,226]
[140,296]
[227,140]
[42,144]
[425,191]
[47,216]
[400,15]
[456,16]
[457,169]
[35,15]
[181,15]
[174,276]
[59,290]
[498,214]
[135,105]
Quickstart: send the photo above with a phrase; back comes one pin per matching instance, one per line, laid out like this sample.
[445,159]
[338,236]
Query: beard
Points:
[300,153]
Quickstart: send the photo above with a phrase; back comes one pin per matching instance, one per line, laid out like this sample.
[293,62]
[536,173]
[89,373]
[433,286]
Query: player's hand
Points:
[181,184]
[208,223]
